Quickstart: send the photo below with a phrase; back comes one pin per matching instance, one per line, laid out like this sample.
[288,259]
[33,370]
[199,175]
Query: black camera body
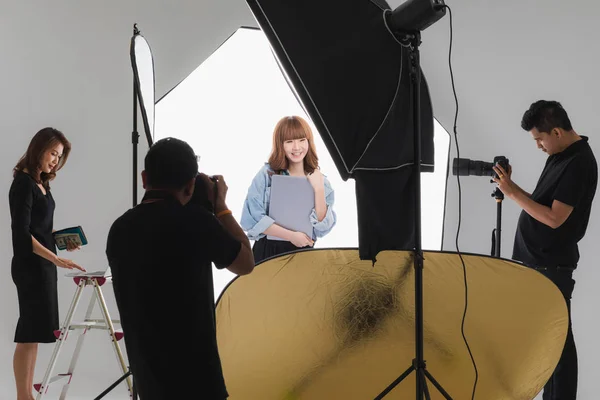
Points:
[467,167]
[503,162]
[201,193]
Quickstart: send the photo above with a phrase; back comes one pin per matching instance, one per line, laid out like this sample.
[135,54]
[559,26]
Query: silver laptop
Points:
[100,273]
[292,201]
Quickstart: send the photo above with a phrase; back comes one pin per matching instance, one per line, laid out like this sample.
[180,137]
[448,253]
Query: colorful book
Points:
[74,235]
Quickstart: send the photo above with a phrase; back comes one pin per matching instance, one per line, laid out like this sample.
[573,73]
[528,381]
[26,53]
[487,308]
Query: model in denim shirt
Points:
[293,154]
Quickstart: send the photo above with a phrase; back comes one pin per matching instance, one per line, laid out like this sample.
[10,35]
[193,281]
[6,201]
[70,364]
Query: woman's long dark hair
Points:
[44,140]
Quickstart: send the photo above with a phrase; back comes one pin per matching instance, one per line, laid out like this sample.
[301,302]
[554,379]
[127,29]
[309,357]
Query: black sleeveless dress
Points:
[32,214]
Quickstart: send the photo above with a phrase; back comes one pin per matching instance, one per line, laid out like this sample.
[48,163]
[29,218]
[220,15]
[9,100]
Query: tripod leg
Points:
[114,385]
[395,383]
[424,385]
[437,385]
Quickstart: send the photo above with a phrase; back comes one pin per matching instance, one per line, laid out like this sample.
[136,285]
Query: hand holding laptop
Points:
[300,239]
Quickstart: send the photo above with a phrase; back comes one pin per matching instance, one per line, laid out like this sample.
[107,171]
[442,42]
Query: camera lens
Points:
[467,167]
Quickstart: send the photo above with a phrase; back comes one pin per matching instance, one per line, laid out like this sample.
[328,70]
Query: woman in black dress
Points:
[34,260]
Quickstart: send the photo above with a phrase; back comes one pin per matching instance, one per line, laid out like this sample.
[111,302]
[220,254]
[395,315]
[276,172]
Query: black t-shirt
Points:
[570,177]
[160,255]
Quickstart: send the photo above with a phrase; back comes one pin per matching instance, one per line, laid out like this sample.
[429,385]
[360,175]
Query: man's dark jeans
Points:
[563,382]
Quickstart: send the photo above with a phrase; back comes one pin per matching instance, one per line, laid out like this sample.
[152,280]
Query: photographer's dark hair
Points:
[170,164]
[546,115]
[41,142]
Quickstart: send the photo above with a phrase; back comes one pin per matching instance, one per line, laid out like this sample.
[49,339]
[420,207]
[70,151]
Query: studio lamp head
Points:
[416,15]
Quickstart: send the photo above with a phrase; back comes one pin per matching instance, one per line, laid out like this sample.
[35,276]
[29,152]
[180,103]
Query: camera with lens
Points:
[467,167]
[204,193]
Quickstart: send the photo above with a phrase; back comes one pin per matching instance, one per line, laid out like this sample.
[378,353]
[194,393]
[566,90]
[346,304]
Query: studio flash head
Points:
[467,167]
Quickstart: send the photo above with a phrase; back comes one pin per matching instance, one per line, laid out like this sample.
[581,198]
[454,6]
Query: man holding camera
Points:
[555,217]
[160,254]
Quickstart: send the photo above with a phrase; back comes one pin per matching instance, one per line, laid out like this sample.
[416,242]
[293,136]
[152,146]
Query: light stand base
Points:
[422,376]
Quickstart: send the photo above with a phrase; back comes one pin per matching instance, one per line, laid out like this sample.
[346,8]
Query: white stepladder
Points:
[96,280]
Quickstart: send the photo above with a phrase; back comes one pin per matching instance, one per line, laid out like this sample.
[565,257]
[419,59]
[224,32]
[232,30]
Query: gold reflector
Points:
[322,324]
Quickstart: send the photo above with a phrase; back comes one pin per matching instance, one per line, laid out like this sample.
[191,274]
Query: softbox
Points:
[351,75]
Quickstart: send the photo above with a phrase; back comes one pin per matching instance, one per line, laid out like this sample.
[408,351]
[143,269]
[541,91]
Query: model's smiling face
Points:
[295,150]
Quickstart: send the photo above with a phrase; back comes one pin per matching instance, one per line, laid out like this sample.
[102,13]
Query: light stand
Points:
[134,133]
[143,94]
[134,141]
[418,364]
[145,98]
[497,234]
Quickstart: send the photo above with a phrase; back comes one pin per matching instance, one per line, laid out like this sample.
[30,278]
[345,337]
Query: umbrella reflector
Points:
[322,324]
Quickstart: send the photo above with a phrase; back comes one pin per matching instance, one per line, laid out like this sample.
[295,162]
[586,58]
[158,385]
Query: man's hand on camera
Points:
[205,192]
[505,184]
[220,204]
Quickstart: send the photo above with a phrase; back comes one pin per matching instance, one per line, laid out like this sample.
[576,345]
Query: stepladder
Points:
[88,280]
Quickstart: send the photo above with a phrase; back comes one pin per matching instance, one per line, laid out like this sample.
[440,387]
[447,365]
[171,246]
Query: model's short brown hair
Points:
[40,143]
[291,128]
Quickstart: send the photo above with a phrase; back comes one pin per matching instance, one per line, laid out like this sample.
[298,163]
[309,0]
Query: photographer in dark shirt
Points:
[555,217]
[160,254]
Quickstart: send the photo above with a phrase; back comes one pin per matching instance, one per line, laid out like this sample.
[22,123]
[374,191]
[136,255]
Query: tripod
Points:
[114,385]
[418,364]
[497,233]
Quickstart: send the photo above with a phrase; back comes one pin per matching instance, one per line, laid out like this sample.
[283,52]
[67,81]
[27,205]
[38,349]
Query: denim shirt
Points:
[255,214]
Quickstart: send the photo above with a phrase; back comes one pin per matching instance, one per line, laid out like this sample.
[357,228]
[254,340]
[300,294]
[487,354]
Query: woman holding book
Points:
[34,262]
[293,153]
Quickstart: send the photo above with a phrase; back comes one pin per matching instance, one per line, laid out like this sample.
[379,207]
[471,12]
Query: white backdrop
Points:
[227,109]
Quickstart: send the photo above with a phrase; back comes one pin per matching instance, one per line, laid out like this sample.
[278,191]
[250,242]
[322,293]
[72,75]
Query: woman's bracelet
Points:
[224,212]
